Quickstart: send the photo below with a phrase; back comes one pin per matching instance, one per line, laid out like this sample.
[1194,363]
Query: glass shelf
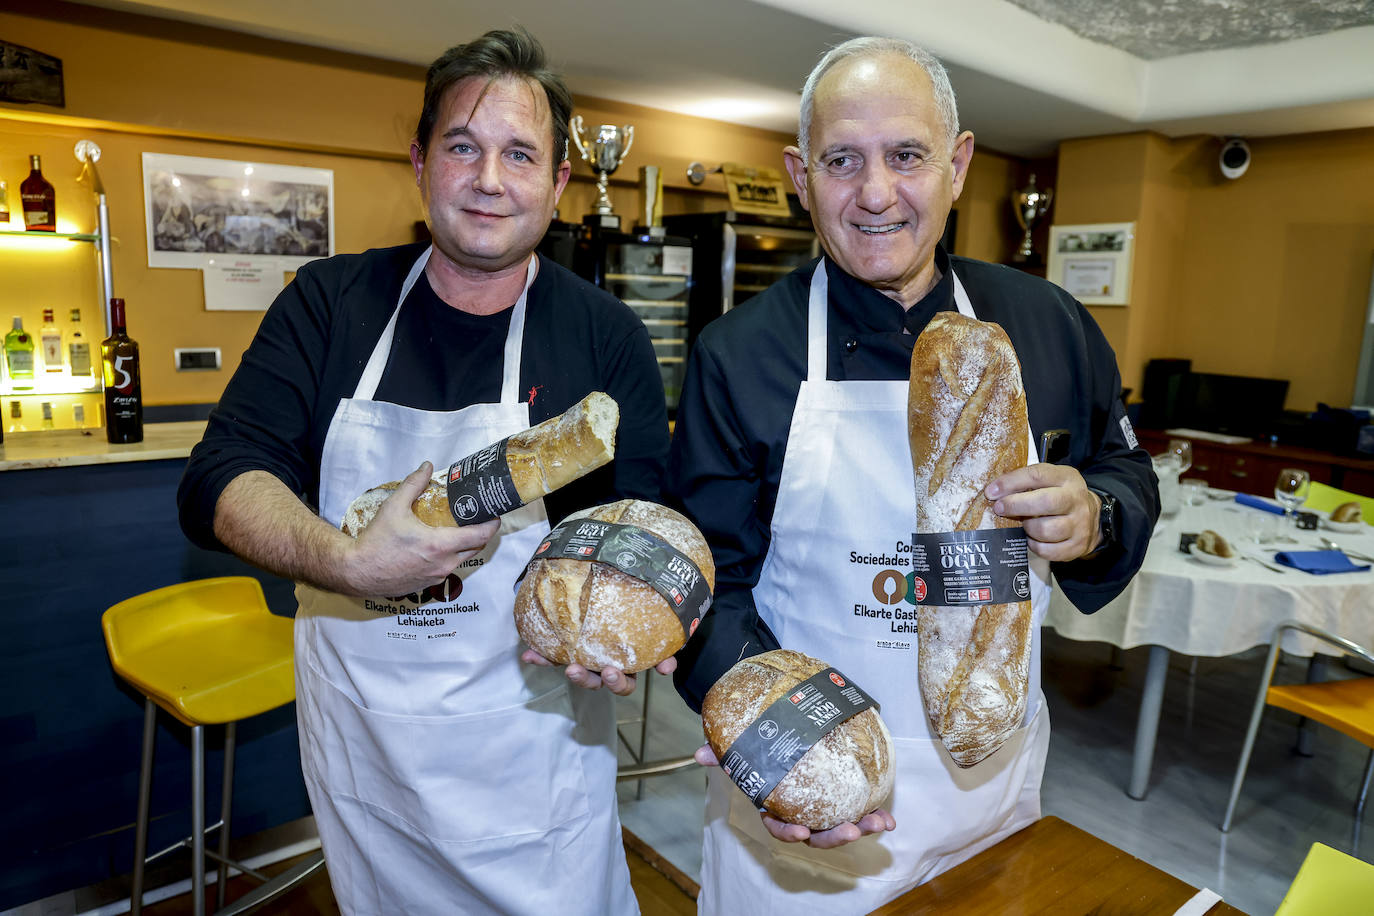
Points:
[71,236]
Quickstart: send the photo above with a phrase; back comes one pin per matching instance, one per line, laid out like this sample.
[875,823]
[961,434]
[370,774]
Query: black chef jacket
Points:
[316,338]
[742,383]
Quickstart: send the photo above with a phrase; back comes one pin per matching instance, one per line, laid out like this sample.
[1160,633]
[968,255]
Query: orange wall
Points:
[136,85]
[1266,275]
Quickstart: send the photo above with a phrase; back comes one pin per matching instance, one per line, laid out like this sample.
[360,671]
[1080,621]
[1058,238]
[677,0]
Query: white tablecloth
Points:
[1185,605]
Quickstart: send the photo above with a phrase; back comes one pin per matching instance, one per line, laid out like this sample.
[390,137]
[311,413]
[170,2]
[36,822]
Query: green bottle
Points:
[19,356]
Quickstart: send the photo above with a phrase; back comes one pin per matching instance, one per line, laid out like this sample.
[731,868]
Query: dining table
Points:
[1201,605]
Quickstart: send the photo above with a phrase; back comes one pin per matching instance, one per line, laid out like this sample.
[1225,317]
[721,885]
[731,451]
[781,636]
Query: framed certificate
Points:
[1092,262]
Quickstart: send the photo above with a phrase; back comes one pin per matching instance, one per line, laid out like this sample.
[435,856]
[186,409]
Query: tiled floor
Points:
[1288,802]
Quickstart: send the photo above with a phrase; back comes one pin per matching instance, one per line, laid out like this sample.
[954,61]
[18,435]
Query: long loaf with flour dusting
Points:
[966,417]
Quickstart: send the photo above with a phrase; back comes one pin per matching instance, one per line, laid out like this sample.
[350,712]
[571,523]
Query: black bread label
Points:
[635,552]
[480,487]
[770,747]
[954,568]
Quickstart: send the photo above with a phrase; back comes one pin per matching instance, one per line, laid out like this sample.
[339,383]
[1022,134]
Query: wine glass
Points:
[1291,489]
[1182,449]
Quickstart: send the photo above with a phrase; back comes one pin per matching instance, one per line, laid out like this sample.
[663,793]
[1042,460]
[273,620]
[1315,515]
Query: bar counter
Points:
[60,448]
[85,525]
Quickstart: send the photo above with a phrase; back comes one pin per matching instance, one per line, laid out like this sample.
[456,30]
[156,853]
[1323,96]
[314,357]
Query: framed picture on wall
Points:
[197,209]
[1092,262]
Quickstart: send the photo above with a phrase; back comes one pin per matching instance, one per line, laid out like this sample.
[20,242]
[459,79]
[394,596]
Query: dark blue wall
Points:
[74,541]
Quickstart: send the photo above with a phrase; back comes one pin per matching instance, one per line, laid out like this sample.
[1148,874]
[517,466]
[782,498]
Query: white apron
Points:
[848,491]
[447,777]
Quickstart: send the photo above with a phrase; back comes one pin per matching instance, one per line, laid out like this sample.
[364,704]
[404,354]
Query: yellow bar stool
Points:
[210,653]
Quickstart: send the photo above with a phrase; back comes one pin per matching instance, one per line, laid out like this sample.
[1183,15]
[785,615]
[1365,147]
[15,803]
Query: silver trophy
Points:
[604,154]
[1030,204]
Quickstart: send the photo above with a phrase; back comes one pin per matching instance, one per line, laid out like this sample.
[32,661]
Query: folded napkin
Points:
[1318,562]
[1255,502]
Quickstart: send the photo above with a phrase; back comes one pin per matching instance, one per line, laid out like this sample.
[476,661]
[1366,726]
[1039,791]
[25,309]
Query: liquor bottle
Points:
[79,349]
[4,202]
[38,199]
[47,415]
[19,356]
[123,391]
[16,417]
[51,339]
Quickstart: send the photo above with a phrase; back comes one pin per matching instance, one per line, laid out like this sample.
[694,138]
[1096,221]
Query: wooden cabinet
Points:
[1252,467]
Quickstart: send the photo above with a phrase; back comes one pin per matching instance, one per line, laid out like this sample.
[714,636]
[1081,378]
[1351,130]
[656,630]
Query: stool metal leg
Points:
[145,790]
[226,803]
[198,820]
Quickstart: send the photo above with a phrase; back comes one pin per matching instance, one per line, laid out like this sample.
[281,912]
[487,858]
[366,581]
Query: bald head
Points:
[856,49]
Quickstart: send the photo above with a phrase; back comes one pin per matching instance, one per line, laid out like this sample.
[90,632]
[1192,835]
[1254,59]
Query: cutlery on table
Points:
[1328,544]
[1246,556]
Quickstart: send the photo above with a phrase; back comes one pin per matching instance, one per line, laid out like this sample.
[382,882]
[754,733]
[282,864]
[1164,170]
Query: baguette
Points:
[844,776]
[597,616]
[966,413]
[546,456]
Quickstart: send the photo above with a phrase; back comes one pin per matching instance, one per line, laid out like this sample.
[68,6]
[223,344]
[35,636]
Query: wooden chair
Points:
[209,652]
[1345,705]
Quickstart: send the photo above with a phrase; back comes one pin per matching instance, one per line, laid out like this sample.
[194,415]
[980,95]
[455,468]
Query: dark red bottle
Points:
[38,199]
[123,391]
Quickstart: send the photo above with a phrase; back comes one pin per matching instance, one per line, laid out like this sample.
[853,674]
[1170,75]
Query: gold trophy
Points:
[1030,204]
[604,154]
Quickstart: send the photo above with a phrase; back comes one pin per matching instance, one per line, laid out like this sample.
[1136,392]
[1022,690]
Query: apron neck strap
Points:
[515,335]
[817,313]
[816,318]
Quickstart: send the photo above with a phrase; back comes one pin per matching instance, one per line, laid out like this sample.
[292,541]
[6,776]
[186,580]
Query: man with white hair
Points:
[791,455]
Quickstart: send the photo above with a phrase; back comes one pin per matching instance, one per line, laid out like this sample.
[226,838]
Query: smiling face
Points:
[882,175]
[487,178]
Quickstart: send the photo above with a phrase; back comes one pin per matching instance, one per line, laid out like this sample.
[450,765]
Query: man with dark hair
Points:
[445,775]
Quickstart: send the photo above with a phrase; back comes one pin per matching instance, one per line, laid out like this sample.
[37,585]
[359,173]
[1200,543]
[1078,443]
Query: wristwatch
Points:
[1107,521]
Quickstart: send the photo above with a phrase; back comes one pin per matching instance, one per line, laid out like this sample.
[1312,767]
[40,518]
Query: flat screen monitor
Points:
[1238,405]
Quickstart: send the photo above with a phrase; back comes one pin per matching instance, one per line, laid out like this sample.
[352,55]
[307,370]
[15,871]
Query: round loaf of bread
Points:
[595,615]
[845,775]
[1346,512]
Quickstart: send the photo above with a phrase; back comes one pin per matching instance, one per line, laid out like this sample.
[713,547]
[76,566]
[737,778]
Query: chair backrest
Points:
[1328,882]
[1345,645]
[1322,498]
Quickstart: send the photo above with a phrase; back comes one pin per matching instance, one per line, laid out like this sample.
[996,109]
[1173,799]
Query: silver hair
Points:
[868,47]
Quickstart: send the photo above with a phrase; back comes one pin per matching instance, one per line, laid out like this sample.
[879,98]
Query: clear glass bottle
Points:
[78,349]
[19,356]
[39,199]
[51,340]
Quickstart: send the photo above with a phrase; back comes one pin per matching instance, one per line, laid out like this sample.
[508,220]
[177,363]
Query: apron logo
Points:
[836,679]
[917,586]
[465,507]
[889,586]
[693,628]
[626,560]
[768,729]
[1021,583]
[447,590]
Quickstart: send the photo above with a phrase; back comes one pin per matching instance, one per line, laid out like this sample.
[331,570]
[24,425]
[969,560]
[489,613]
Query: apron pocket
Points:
[457,779]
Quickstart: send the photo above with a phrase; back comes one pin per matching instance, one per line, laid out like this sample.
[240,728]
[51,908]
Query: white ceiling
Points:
[1027,72]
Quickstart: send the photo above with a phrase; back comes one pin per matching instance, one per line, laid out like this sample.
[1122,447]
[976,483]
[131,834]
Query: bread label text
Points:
[766,751]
